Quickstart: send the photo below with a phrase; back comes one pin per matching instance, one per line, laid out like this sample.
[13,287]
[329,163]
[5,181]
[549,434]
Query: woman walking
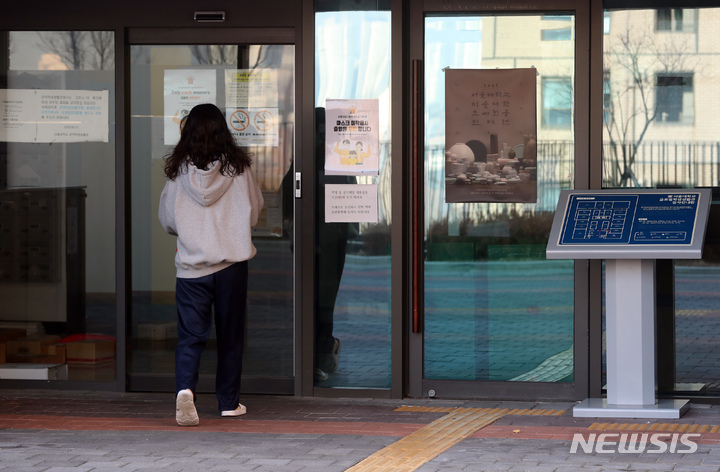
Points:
[210,202]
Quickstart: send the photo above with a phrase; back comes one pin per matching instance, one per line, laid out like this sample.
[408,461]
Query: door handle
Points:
[298,184]
[417,241]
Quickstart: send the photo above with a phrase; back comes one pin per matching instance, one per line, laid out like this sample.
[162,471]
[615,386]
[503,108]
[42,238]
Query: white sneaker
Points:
[185,412]
[320,375]
[239,411]
[329,362]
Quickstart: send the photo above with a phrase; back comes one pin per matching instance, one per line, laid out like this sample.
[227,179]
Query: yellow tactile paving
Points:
[414,450]
[674,427]
[516,411]
[693,312]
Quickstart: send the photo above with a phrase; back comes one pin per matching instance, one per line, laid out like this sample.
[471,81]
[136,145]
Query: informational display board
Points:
[53,116]
[630,224]
[630,228]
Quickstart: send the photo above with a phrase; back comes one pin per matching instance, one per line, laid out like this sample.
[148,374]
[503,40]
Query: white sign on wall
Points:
[251,88]
[253,126]
[185,88]
[351,137]
[53,116]
[351,203]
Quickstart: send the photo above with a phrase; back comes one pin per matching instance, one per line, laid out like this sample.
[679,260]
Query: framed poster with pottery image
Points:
[490,147]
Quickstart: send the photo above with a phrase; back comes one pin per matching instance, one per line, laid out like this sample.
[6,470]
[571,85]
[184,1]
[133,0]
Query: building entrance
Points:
[252,80]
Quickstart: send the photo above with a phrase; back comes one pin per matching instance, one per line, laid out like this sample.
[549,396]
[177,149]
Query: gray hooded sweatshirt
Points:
[212,216]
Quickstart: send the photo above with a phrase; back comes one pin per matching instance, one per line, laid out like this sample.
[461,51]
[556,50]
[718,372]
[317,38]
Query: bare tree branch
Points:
[67,45]
[635,59]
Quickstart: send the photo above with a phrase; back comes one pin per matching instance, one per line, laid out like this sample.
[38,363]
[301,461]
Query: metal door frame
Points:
[215,35]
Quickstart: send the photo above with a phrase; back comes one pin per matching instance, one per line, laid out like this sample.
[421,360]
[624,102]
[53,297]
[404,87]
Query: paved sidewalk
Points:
[58,431]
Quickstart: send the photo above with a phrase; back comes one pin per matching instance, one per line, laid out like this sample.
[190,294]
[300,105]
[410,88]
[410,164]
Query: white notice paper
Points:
[53,116]
[351,203]
[185,88]
[254,126]
[251,88]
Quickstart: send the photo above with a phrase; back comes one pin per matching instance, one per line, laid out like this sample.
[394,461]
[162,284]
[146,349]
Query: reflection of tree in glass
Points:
[633,65]
[247,57]
[215,55]
[103,43]
[81,50]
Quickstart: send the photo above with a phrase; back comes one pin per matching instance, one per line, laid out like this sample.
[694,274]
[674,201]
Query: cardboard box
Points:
[7,334]
[31,344]
[55,355]
[92,372]
[157,331]
[34,371]
[90,351]
[25,358]
[58,352]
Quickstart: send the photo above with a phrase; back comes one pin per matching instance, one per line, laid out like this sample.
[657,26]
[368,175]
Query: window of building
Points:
[675,98]
[607,97]
[556,102]
[606,23]
[557,17]
[676,19]
[562,34]
[557,34]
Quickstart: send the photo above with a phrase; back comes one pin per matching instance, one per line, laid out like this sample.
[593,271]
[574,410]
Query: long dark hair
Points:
[205,138]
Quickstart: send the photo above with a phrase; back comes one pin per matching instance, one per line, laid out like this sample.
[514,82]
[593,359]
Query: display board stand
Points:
[630,230]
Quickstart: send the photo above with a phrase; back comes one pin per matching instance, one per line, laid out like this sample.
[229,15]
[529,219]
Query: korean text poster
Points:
[351,137]
[251,88]
[251,106]
[185,88]
[53,116]
[351,203]
[490,135]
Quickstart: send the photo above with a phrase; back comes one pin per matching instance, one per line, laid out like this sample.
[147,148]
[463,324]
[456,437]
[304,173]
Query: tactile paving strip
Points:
[515,411]
[673,427]
[694,312]
[428,442]
[414,450]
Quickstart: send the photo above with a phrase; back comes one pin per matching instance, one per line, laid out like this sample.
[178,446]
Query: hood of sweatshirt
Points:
[205,186]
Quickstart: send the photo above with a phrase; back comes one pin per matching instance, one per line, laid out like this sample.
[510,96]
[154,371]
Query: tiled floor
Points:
[95,431]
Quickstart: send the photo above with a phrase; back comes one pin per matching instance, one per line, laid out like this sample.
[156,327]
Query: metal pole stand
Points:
[630,341]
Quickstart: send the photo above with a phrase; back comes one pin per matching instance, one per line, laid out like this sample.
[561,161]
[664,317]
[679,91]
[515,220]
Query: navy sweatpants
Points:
[226,291]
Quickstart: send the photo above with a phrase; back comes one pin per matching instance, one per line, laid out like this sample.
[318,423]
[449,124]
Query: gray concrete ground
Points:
[50,431]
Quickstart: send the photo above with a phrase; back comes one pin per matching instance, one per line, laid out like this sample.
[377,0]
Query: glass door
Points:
[57,205]
[499,146]
[660,130]
[254,84]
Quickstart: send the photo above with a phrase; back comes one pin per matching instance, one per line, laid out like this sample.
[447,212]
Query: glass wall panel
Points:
[662,74]
[353,291]
[495,308]
[220,74]
[57,202]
